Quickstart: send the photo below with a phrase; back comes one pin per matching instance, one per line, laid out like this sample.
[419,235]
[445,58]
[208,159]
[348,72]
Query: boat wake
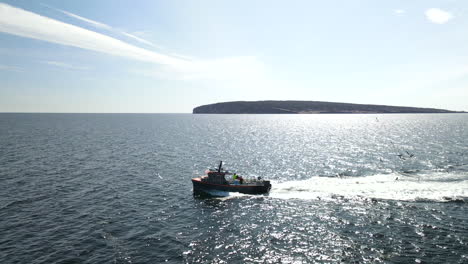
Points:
[221,194]
[409,186]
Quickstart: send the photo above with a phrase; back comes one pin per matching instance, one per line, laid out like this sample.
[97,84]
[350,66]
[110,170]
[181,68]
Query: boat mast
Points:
[220,164]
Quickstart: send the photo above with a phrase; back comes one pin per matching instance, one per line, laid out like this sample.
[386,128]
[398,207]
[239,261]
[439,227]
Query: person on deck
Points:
[241,180]
[234,176]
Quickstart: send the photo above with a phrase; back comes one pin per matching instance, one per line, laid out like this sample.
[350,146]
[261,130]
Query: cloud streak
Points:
[144,41]
[10,68]
[438,16]
[103,26]
[26,24]
[89,21]
[23,23]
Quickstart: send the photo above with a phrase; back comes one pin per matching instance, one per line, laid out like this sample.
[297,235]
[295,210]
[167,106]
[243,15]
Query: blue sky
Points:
[171,56]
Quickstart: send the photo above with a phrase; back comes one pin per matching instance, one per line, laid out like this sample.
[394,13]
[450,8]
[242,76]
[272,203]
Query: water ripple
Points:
[116,189]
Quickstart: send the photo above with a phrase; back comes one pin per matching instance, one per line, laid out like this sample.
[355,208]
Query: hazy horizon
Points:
[456,111]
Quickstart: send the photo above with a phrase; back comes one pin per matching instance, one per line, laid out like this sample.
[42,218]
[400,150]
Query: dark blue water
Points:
[115,188]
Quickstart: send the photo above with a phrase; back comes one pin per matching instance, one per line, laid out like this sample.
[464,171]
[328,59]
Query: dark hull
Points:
[199,186]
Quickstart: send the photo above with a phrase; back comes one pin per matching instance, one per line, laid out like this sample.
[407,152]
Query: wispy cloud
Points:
[23,23]
[438,16]
[104,26]
[89,21]
[399,12]
[138,39]
[65,65]
[10,68]
[241,68]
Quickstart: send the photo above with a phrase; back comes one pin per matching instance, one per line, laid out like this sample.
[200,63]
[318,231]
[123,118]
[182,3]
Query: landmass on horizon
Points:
[307,107]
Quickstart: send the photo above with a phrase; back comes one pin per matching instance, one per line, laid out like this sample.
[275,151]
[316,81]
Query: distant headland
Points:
[306,107]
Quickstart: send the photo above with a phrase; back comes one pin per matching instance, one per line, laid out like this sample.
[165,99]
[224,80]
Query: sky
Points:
[115,56]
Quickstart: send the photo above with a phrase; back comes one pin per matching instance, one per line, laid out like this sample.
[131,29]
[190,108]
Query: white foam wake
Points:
[223,195]
[436,186]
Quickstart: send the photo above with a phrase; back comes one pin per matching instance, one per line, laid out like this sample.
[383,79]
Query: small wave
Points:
[23,201]
[456,199]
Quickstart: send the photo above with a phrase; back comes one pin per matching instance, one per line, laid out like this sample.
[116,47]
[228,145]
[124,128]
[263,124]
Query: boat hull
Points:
[199,186]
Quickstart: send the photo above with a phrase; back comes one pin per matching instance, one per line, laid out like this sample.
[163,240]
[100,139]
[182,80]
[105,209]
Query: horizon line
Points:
[152,113]
[95,113]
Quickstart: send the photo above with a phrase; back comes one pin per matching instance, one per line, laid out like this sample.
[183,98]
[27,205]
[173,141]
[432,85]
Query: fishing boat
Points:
[224,181]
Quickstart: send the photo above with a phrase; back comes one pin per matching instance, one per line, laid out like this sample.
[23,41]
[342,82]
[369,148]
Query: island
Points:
[306,107]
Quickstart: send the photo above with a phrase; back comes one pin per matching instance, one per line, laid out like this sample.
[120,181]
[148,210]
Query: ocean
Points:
[346,188]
